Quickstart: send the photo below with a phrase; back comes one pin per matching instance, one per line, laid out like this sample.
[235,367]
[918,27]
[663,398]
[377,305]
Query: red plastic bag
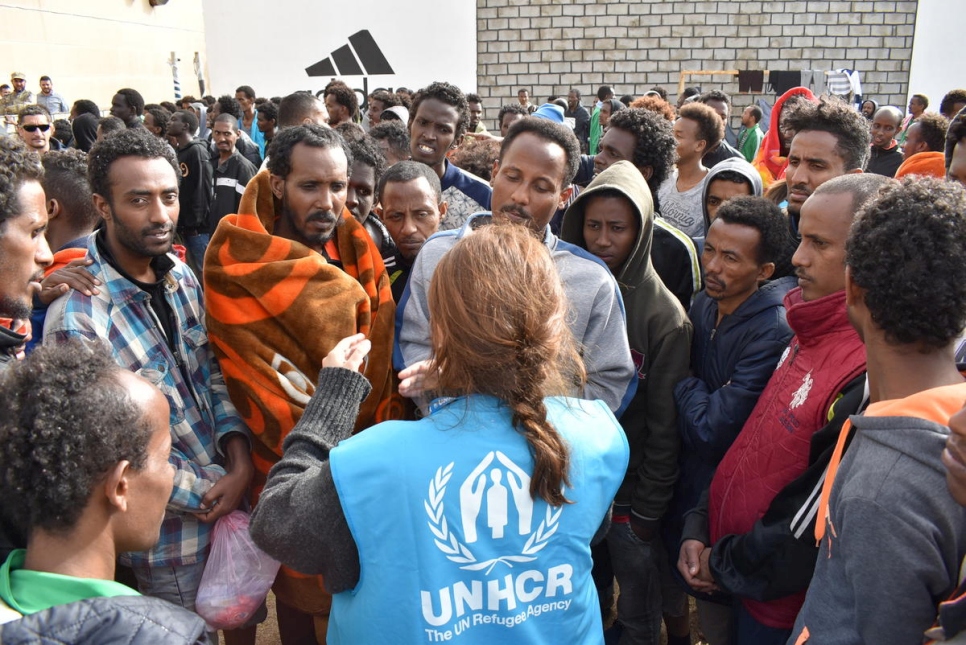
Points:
[237,575]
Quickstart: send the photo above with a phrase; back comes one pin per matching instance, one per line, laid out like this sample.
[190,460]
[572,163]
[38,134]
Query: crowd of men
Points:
[775,322]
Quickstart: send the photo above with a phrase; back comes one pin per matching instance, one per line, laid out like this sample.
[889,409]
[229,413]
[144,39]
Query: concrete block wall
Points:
[548,46]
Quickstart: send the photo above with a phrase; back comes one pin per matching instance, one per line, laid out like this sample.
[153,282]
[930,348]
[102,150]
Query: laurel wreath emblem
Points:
[456,551]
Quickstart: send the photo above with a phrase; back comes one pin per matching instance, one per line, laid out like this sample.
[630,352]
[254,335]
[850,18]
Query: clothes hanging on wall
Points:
[751,80]
[783,81]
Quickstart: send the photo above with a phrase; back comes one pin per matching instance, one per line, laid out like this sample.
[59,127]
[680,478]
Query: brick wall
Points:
[549,46]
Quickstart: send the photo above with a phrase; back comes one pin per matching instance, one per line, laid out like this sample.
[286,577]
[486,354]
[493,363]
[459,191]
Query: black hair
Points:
[836,117]
[477,157]
[395,133]
[626,99]
[247,91]
[448,94]
[109,124]
[227,118]
[5,86]
[18,164]
[766,218]
[44,78]
[364,151]
[269,110]
[710,125]
[689,92]
[169,106]
[84,106]
[918,225]
[32,110]
[551,132]
[316,136]
[604,91]
[954,134]
[190,119]
[511,108]
[295,108]
[387,98]
[63,132]
[756,112]
[714,95]
[161,118]
[133,99]
[229,105]
[65,179]
[660,91]
[733,176]
[209,100]
[932,129]
[950,100]
[922,99]
[67,421]
[350,131]
[656,147]
[406,171]
[474,98]
[136,142]
[344,96]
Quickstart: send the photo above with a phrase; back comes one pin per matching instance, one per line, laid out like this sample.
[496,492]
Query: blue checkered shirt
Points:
[202,415]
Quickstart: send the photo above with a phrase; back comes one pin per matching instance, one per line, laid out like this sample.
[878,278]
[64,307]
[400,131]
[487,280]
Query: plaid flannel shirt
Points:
[202,415]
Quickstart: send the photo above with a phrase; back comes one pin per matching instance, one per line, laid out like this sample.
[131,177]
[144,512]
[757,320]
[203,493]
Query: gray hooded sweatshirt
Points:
[596,313]
[659,334]
[895,537]
[736,165]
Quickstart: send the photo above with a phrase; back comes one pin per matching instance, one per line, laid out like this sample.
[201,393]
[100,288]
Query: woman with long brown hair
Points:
[473,524]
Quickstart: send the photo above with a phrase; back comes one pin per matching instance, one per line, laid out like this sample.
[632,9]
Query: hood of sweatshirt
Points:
[625,179]
[915,426]
[203,130]
[735,164]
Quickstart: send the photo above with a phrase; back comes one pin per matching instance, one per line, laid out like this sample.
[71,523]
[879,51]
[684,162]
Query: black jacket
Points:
[197,187]
[128,620]
[884,162]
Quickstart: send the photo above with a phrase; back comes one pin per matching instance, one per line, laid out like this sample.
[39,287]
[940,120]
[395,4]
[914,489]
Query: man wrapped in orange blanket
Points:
[286,279]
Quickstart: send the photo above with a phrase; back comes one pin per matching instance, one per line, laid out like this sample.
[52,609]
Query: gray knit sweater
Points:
[299,520]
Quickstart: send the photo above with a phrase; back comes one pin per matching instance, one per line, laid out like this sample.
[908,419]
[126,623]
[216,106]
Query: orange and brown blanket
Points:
[275,308]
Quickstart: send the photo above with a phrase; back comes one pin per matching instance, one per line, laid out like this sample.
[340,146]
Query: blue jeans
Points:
[178,585]
[638,569]
[196,246]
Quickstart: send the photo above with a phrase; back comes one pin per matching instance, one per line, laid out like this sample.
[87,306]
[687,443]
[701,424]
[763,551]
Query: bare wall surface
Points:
[91,48]
[549,46]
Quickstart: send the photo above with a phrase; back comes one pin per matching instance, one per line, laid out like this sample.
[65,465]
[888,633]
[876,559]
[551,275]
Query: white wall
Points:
[92,48]
[938,58]
[268,45]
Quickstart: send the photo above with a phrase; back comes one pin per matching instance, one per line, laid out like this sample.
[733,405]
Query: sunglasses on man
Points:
[34,128]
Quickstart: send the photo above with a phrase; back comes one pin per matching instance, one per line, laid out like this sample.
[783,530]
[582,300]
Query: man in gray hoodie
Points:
[613,218]
[892,537]
[531,180]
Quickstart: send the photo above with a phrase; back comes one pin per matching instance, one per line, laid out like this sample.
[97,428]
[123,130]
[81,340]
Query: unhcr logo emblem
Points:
[486,494]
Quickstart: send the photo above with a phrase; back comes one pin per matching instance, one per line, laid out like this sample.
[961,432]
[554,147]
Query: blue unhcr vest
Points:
[451,544]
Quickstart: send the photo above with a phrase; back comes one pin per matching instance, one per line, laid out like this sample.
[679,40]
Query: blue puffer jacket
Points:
[730,366]
[131,620]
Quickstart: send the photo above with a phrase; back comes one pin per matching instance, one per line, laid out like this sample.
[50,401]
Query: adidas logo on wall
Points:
[361,57]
